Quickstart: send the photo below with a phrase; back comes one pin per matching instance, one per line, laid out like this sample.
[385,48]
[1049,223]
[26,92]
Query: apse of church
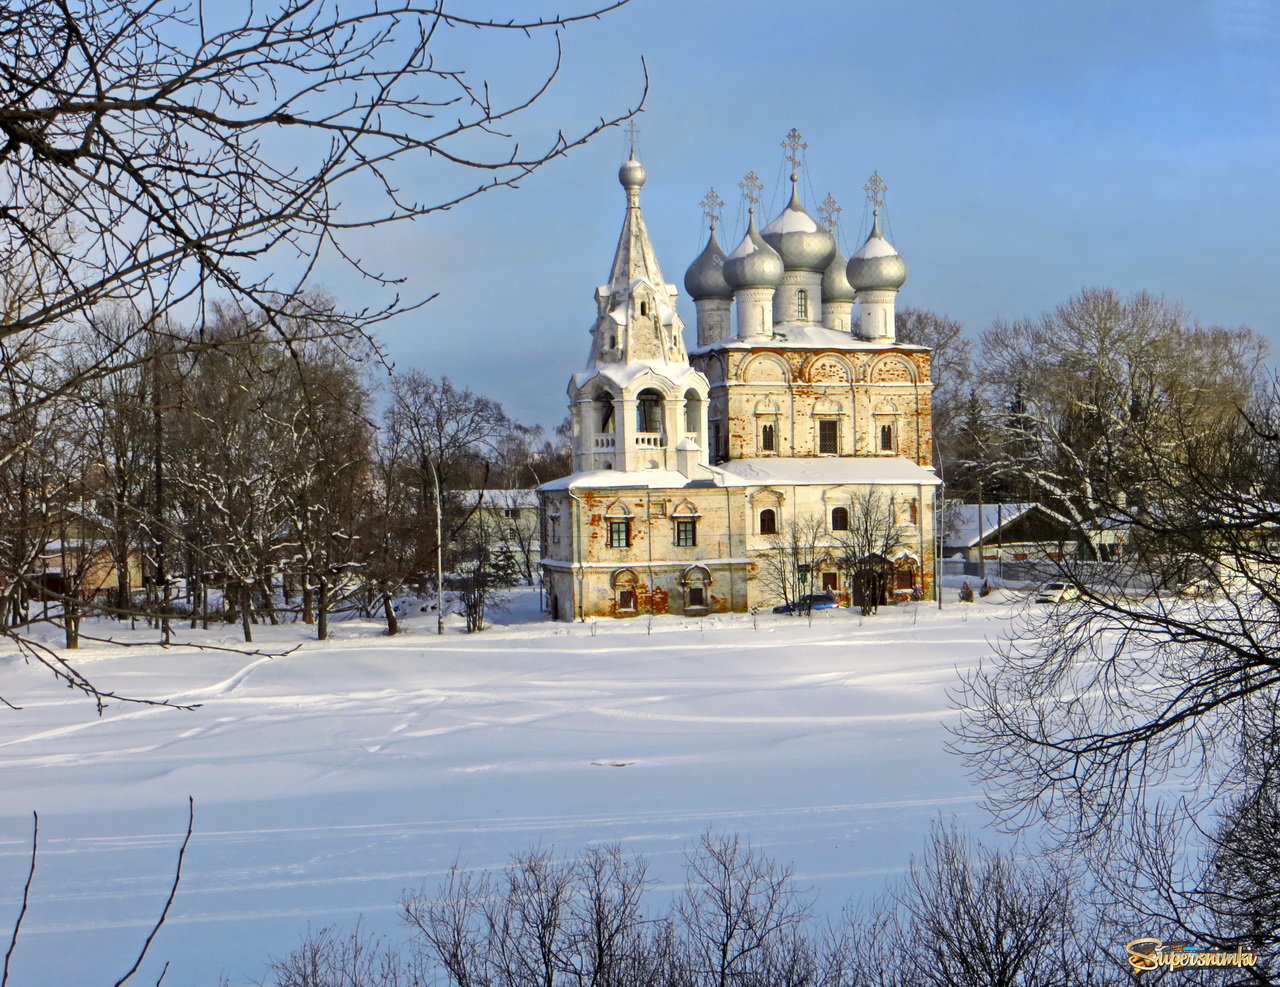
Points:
[797,408]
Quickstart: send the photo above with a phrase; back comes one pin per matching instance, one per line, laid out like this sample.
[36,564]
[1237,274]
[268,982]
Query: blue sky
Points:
[1031,149]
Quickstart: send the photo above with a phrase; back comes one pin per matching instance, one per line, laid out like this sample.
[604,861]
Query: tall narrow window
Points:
[886,438]
[768,440]
[768,522]
[620,533]
[839,519]
[649,412]
[802,305]
[644,308]
[828,436]
[604,408]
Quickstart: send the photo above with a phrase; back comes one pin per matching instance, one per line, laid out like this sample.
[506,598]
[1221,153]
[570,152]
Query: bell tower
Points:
[639,404]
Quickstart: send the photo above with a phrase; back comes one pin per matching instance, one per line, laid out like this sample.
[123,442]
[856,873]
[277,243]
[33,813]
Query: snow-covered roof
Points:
[802,335]
[828,471]
[963,528]
[623,374]
[640,479]
[502,498]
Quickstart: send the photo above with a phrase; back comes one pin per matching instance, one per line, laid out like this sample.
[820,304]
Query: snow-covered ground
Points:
[330,780]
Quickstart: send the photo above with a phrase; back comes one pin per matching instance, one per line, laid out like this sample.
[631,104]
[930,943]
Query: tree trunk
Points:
[308,616]
[393,623]
[322,611]
[71,625]
[244,614]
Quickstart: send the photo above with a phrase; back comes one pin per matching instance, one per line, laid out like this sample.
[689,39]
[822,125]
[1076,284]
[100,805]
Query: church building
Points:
[788,453]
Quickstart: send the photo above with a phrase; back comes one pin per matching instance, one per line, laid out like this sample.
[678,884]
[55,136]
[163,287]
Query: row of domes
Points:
[795,241]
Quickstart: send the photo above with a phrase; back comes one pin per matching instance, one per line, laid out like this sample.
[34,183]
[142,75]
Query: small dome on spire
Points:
[801,241]
[705,277]
[877,266]
[835,282]
[632,174]
[754,264]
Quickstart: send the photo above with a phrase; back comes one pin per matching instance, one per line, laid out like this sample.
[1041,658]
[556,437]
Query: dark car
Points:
[810,601]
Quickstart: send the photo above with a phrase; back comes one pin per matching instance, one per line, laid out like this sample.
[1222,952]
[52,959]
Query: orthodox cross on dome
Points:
[829,211]
[751,188]
[875,189]
[794,143]
[711,204]
[633,131]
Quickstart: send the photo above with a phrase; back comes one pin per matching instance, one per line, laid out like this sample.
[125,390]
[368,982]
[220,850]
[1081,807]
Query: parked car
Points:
[810,601]
[1058,592]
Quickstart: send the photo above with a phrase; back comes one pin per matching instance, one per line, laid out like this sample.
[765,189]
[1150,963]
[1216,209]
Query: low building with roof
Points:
[789,449]
[1007,533]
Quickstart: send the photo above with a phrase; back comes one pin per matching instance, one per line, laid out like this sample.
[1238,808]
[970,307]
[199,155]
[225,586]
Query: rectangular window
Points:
[686,533]
[626,599]
[829,582]
[767,440]
[697,596]
[620,534]
[828,436]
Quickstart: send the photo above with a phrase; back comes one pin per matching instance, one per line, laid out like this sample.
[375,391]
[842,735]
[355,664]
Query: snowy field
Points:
[329,781]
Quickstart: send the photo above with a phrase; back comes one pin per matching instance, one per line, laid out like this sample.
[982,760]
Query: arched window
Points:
[625,583]
[696,582]
[886,438]
[604,413]
[839,519]
[692,412]
[649,412]
[768,522]
[802,304]
[644,308]
[768,438]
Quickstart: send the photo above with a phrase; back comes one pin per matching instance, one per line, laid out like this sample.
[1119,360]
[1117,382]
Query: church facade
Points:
[788,453]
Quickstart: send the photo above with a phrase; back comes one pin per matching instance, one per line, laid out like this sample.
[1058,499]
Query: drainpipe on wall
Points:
[577,550]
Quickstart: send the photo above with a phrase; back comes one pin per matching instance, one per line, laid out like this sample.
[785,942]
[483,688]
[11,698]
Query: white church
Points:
[789,452]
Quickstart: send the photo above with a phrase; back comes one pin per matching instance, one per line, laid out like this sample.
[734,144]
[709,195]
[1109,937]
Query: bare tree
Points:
[155,154]
[951,364]
[1077,394]
[439,436]
[867,548]
[797,544]
[332,958]
[739,907]
[1138,728]
[968,916]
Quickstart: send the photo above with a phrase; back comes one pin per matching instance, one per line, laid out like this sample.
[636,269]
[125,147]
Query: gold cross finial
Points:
[751,187]
[633,131]
[829,210]
[711,204]
[875,189]
[794,143]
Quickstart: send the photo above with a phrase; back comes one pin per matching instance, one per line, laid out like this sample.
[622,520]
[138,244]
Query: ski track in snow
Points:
[328,780]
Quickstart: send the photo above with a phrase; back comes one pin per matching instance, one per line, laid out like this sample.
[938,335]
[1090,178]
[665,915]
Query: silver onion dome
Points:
[754,264]
[835,282]
[799,239]
[705,277]
[877,266]
[632,174]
